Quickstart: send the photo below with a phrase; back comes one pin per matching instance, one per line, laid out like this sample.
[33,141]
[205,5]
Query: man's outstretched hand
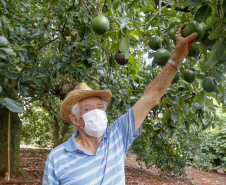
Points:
[183,43]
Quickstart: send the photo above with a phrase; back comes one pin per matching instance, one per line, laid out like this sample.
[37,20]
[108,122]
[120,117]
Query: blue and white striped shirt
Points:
[67,164]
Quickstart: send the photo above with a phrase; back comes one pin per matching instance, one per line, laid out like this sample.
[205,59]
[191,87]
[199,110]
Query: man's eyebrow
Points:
[88,104]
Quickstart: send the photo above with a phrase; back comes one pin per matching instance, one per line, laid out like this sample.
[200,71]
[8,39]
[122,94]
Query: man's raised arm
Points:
[156,89]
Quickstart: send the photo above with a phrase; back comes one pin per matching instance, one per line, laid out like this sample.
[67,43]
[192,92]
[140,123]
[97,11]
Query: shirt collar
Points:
[70,144]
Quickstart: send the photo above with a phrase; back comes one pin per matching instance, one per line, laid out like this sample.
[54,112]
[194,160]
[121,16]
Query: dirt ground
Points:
[33,161]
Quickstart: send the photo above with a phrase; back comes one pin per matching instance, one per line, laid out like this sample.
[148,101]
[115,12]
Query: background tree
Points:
[47,48]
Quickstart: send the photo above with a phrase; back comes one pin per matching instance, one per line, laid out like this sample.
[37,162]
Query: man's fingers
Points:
[183,25]
[191,37]
[180,30]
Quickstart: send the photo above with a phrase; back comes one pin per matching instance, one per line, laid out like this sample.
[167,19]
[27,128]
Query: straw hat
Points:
[81,92]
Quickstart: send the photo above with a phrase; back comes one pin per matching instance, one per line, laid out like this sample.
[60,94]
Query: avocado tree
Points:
[48,47]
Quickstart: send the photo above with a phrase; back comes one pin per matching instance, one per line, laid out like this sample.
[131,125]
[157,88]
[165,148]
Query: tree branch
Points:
[103,6]
[94,78]
[46,44]
[88,8]
[53,18]
[159,18]
[183,9]
[219,15]
[62,31]
[49,6]
[152,17]
[131,4]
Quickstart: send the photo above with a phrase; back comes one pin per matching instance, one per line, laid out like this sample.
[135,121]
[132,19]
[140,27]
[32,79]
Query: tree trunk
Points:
[64,130]
[16,126]
[56,133]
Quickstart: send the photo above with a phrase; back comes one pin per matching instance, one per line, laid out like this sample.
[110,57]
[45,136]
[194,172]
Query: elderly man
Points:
[95,154]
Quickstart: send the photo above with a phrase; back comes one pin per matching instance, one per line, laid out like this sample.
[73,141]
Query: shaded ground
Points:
[33,161]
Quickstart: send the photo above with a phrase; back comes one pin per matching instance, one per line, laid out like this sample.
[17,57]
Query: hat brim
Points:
[77,95]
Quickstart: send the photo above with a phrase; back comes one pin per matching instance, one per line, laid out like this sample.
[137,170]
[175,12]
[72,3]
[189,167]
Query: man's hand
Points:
[182,44]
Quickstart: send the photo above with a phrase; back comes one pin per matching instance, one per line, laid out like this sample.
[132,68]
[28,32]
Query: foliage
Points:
[38,124]
[156,150]
[215,146]
[36,128]
[41,61]
[204,150]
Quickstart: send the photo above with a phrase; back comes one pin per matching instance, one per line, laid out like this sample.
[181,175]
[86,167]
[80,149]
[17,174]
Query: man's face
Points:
[89,104]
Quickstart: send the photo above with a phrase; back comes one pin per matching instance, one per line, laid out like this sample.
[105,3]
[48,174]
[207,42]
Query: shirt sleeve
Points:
[126,127]
[49,177]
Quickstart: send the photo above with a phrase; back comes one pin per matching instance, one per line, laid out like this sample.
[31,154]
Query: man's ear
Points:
[74,120]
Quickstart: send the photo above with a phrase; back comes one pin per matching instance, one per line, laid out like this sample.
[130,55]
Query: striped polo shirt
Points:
[67,164]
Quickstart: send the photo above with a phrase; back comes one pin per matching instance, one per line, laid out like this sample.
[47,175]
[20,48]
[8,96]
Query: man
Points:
[95,154]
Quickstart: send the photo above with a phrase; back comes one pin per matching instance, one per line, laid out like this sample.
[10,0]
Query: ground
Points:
[33,161]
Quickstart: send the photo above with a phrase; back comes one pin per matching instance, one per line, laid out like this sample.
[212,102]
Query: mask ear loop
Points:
[78,117]
[82,127]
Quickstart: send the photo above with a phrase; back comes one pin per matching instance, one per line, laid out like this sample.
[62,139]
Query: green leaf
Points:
[167,114]
[33,70]
[187,126]
[224,8]
[124,25]
[23,90]
[150,9]
[163,135]
[12,105]
[38,33]
[134,35]
[216,33]
[203,13]
[203,49]
[202,67]
[193,116]
[168,100]
[211,21]
[8,51]
[0,89]
[72,9]
[38,16]
[216,53]
[39,82]
[174,117]
[200,98]
[3,41]
[173,6]
[11,75]
[114,47]
[54,1]
[168,12]
[124,47]
[3,57]
[73,45]
[5,20]
[5,6]
[191,3]
[204,122]
[197,106]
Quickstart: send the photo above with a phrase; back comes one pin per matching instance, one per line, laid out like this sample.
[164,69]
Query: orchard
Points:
[48,47]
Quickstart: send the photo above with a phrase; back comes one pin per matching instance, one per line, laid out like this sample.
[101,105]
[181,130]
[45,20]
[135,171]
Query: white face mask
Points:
[95,122]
